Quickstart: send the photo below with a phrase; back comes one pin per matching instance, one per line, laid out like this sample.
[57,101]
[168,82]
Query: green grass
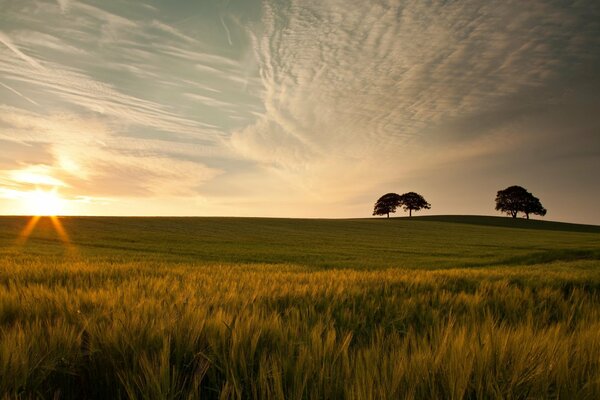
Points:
[216,308]
[368,243]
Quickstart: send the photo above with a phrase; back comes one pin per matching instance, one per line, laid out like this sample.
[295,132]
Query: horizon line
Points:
[297,218]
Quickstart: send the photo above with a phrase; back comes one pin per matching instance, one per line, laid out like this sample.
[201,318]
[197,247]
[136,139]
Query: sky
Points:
[298,108]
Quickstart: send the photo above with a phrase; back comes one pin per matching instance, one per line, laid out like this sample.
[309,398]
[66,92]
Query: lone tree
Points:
[413,201]
[511,200]
[516,199]
[387,204]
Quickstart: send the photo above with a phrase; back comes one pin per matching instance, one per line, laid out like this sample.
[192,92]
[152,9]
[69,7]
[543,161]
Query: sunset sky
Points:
[298,108]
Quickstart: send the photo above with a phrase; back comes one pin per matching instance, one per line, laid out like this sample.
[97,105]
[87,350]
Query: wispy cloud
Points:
[172,31]
[79,89]
[44,41]
[371,82]
[209,101]
[101,162]
[15,91]
[121,109]
[64,5]
[226,30]
[29,60]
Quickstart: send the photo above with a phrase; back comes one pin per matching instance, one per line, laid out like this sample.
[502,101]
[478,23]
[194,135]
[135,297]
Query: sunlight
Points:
[56,224]
[60,230]
[44,203]
[28,229]
[36,175]
[40,203]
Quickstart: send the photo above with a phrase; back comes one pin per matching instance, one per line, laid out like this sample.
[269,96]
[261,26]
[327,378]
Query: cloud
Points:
[111,23]
[15,91]
[157,72]
[29,60]
[64,5]
[172,31]
[374,81]
[90,159]
[209,101]
[121,109]
[43,41]
[226,30]
[76,87]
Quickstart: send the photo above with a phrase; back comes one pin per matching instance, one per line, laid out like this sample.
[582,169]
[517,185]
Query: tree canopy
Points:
[413,201]
[533,206]
[516,199]
[409,201]
[387,204]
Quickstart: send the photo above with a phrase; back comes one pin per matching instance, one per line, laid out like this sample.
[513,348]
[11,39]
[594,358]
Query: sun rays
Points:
[56,224]
[25,233]
[44,204]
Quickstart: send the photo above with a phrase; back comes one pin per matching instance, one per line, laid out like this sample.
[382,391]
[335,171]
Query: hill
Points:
[418,242]
[512,223]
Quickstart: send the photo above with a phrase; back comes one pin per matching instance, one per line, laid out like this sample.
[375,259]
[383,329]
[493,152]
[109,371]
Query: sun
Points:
[44,203]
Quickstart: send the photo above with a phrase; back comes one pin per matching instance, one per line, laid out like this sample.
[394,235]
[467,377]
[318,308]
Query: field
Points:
[247,308]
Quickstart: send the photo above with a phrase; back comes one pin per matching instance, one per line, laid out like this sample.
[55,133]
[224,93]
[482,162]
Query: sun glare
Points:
[44,203]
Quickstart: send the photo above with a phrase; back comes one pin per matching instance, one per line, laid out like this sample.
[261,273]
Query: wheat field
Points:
[186,309]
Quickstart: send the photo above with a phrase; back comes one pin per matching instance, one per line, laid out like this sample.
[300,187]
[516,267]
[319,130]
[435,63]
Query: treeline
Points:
[512,201]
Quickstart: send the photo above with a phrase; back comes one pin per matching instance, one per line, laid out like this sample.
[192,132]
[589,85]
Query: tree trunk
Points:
[410,212]
[388,215]
[514,214]
[527,215]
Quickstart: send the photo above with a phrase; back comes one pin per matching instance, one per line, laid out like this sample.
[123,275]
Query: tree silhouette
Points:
[413,201]
[511,200]
[533,206]
[387,204]
[516,199]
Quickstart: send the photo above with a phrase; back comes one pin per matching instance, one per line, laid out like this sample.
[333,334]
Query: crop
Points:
[93,321]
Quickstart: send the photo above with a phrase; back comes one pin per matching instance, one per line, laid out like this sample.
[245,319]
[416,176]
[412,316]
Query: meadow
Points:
[248,308]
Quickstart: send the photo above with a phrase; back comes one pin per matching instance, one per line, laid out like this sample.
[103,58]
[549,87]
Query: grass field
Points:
[218,308]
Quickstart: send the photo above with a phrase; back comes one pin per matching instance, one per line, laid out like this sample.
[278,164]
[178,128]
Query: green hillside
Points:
[418,242]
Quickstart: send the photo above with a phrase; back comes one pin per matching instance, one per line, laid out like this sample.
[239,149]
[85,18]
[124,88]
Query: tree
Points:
[533,205]
[387,204]
[511,200]
[516,199]
[413,201]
